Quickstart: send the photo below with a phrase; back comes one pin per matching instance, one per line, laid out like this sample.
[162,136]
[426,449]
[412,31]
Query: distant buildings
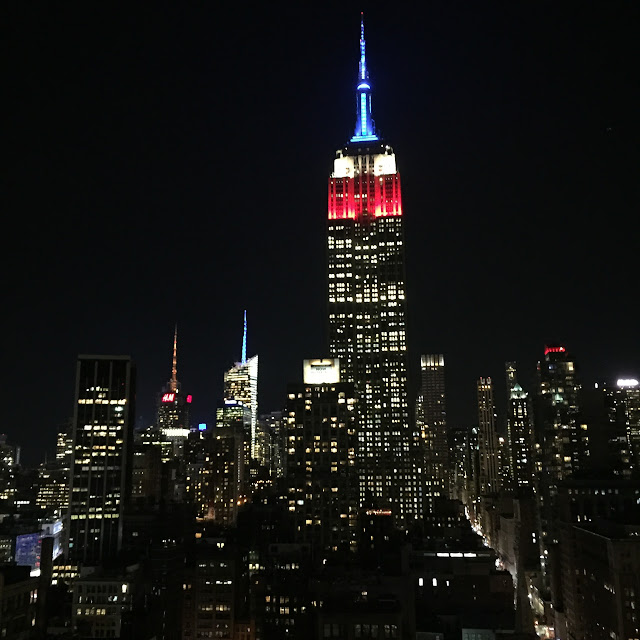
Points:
[101,467]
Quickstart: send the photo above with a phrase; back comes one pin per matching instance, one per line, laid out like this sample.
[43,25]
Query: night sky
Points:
[169,164]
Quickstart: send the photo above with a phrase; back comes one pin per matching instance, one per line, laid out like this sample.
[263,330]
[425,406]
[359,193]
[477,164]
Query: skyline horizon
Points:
[517,177]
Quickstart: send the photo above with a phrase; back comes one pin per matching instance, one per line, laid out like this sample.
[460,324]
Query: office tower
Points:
[53,489]
[624,404]
[64,446]
[434,430]
[226,464]
[563,441]
[519,431]
[103,421]
[172,418]
[8,457]
[321,451]
[274,426]
[603,413]
[487,439]
[241,385]
[366,294]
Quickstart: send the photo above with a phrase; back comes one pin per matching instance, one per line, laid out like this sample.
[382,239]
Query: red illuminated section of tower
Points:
[379,196]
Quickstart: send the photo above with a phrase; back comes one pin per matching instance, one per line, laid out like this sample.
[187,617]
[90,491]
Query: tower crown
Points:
[365,127]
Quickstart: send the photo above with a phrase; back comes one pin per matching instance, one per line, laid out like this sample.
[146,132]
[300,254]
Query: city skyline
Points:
[569,156]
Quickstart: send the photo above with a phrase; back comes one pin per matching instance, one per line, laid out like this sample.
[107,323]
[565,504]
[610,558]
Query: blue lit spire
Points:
[244,339]
[365,127]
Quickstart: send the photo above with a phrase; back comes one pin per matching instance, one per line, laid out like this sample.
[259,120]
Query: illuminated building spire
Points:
[365,127]
[244,339]
[173,385]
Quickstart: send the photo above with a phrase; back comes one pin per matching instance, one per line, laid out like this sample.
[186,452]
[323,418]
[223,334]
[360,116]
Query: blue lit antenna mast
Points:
[365,127]
[244,339]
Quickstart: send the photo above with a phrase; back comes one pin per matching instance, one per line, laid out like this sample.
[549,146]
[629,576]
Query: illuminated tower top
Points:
[244,339]
[173,383]
[365,127]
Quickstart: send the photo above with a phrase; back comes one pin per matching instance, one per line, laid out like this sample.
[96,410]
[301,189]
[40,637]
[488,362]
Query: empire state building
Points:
[367,309]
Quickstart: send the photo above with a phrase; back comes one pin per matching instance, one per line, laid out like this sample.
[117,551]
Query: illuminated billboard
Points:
[168,397]
[321,371]
[28,550]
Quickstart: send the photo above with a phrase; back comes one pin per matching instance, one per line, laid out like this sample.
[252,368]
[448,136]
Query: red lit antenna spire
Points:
[174,367]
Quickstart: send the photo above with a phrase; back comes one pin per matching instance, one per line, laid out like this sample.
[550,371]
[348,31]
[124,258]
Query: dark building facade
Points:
[431,416]
[102,456]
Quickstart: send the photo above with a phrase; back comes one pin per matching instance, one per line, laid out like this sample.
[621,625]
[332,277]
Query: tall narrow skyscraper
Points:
[101,468]
[434,425]
[489,455]
[367,308]
[172,417]
[519,431]
[241,385]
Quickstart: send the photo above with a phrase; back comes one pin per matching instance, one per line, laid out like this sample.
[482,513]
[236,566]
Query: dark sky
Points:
[169,164]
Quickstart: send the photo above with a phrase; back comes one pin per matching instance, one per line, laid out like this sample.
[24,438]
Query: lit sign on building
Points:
[175,432]
[321,371]
[202,426]
[168,397]
[189,399]
[548,350]
[627,383]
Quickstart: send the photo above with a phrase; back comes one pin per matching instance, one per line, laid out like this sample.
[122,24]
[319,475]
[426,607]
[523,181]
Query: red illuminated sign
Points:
[189,398]
[554,350]
[378,195]
[168,397]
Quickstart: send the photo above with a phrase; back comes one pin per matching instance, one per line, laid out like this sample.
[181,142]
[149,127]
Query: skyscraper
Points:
[101,467]
[434,425]
[367,308]
[565,442]
[624,401]
[241,385]
[489,456]
[321,441]
[519,431]
[172,418]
